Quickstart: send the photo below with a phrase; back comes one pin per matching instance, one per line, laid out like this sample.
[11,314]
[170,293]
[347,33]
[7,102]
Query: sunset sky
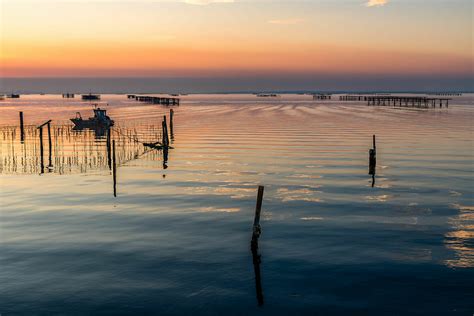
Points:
[225,38]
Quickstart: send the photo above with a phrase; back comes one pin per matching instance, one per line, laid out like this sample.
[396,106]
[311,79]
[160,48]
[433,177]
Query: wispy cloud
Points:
[376,3]
[286,21]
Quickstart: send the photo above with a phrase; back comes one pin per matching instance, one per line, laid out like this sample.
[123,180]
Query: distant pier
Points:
[398,101]
[155,100]
[418,102]
[447,94]
[322,96]
[350,97]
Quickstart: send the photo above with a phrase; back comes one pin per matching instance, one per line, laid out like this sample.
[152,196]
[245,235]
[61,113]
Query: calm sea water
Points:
[176,240]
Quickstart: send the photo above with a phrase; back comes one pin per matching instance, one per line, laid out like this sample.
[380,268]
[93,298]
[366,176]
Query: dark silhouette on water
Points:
[50,144]
[256,232]
[100,120]
[373,161]
[99,132]
[90,97]
[41,149]
[171,125]
[257,259]
[114,168]
[109,145]
[22,128]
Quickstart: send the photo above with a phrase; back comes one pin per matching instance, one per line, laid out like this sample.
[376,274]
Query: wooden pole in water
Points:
[163,137]
[50,145]
[114,169]
[171,122]
[41,149]
[254,245]
[166,139]
[372,158]
[22,128]
[109,157]
[373,141]
[256,222]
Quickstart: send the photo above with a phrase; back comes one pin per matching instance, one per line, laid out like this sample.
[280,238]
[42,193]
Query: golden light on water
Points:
[461,239]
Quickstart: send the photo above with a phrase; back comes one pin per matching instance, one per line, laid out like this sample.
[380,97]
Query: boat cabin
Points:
[100,114]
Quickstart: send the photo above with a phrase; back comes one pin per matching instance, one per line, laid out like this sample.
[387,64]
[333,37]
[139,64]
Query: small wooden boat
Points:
[100,120]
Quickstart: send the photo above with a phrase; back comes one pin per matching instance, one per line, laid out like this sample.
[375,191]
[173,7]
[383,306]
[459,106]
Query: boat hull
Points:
[80,123]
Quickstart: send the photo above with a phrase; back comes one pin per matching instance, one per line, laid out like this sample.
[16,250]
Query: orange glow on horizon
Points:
[143,59]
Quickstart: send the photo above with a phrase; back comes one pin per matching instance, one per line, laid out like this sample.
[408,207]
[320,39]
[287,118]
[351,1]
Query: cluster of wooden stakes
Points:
[163,145]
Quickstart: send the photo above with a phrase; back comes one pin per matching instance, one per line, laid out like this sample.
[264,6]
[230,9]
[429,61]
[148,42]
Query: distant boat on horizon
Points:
[267,95]
[90,97]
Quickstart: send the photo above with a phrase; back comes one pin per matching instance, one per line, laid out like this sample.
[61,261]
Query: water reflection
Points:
[73,150]
[99,132]
[257,260]
[461,238]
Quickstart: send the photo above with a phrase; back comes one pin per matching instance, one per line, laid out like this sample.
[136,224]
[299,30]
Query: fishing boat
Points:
[2,97]
[100,120]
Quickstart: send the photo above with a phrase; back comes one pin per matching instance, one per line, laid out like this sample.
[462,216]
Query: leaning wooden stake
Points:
[256,222]
[254,246]
[22,128]
[166,140]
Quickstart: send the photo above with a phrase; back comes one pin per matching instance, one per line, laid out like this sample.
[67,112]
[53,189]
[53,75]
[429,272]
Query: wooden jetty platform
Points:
[322,96]
[90,96]
[447,94]
[398,101]
[350,97]
[157,100]
[407,101]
